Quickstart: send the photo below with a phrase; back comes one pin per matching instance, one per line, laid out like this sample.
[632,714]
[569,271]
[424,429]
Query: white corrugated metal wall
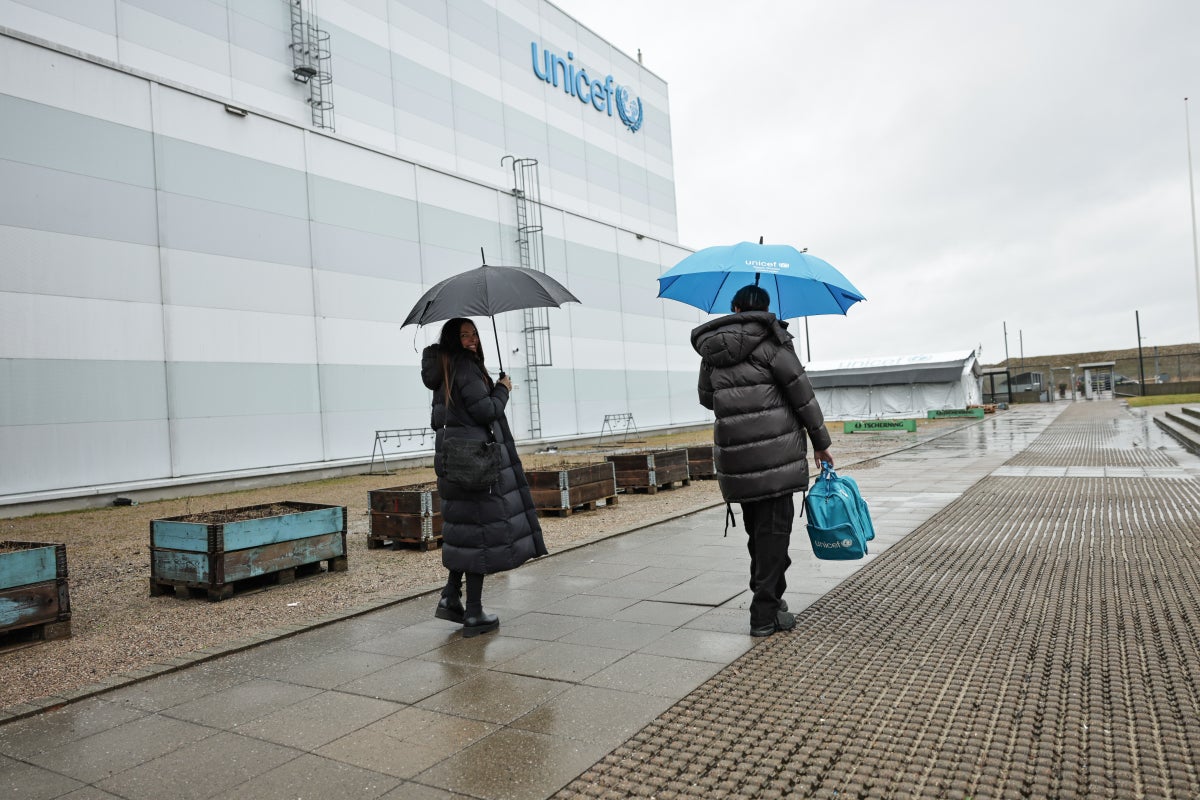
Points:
[189,292]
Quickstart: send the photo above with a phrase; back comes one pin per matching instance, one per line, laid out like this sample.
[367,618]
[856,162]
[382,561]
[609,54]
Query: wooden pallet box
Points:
[34,596]
[410,515]
[700,463]
[212,552]
[570,488]
[652,470]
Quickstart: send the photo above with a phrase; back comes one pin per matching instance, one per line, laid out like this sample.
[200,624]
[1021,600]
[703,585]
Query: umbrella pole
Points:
[496,336]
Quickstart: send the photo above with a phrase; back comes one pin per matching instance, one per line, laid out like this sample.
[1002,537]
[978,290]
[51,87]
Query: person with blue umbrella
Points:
[752,379]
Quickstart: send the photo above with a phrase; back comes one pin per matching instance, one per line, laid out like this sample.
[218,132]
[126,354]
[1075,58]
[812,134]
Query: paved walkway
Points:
[1026,626]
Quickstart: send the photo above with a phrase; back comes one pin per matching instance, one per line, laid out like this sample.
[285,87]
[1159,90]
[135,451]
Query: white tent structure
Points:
[896,387]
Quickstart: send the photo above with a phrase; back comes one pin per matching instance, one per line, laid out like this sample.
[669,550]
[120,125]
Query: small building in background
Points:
[1097,378]
[898,386]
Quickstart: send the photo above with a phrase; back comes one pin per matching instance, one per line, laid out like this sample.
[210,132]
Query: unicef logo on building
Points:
[602,95]
[630,109]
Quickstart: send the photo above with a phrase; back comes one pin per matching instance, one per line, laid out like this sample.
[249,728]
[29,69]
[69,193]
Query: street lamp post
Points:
[1192,194]
[1141,363]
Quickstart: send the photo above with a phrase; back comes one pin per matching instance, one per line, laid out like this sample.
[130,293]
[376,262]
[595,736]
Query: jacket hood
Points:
[431,367]
[731,339]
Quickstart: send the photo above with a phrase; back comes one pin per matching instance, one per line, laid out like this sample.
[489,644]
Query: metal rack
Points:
[311,62]
[614,423]
[383,436]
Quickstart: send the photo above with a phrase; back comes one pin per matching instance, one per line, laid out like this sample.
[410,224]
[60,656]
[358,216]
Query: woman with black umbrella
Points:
[485,531]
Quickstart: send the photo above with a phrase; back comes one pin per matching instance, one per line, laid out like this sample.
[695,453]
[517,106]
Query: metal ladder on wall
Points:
[311,62]
[531,254]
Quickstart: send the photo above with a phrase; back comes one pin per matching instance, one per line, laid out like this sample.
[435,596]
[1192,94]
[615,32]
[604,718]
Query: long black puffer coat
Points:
[751,377]
[482,532]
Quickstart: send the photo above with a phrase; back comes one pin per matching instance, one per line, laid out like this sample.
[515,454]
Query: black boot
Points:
[476,621]
[783,622]
[479,623]
[450,609]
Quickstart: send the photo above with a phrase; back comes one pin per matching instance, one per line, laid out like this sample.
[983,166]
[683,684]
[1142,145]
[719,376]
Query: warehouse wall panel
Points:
[189,291]
[210,174]
[42,135]
[253,337]
[349,206]
[205,226]
[215,389]
[43,391]
[355,252]
[44,262]
[235,284]
[64,202]
[82,456]
[212,445]
[48,326]
[87,27]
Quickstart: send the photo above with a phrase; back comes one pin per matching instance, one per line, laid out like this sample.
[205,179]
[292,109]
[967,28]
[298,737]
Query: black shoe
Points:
[783,622]
[473,626]
[450,608]
[783,605]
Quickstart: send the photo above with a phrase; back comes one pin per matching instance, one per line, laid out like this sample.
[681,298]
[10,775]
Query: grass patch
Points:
[1163,400]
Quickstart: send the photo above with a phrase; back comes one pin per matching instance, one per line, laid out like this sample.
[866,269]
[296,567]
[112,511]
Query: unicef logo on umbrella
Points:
[767,266]
[629,108]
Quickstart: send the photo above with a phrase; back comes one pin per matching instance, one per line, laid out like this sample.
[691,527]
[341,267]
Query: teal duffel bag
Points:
[839,523]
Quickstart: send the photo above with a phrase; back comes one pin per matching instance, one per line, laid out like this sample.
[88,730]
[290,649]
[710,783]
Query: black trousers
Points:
[768,534]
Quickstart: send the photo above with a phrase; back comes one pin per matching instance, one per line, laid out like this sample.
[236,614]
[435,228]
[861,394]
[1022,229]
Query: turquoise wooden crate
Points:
[27,562]
[212,552]
[34,594]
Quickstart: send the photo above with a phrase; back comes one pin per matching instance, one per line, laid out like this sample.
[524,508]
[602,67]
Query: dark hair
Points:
[450,346]
[750,298]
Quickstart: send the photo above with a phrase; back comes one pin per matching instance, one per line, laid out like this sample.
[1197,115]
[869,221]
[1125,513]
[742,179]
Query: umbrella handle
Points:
[496,338]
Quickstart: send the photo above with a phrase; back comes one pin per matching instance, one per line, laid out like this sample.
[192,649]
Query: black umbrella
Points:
[488,291]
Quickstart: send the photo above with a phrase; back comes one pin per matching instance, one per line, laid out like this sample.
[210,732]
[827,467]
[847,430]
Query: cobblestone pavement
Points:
[1037,638]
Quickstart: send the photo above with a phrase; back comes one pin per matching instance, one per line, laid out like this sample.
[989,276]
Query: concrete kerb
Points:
[213,652]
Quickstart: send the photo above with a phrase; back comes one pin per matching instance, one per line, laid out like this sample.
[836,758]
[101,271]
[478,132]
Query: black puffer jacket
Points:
[750,376]
[490,531]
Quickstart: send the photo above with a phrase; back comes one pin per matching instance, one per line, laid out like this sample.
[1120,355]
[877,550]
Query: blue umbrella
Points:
[800,285]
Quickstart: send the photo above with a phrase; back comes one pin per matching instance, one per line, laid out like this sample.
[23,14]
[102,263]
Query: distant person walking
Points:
[488,531]
[752,378]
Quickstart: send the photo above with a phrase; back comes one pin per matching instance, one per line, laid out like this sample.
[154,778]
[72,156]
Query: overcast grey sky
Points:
[965,163]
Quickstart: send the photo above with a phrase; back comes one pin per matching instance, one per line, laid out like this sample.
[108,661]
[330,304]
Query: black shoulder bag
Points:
[472,464]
